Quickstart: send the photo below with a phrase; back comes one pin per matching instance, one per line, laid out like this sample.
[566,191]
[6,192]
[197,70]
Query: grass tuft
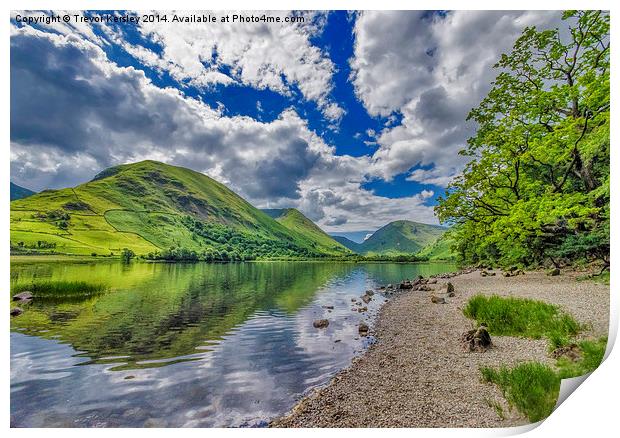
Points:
[531,387]
[61,289]
[507,316]
[592,353]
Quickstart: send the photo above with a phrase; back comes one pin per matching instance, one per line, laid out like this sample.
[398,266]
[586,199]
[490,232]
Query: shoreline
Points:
[416,374]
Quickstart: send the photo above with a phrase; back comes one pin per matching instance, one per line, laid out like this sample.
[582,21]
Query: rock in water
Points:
[23,296]
[370,293]
[554,272]
[16,311]
[366,299]
[363,329]
[320,323]
[476,339]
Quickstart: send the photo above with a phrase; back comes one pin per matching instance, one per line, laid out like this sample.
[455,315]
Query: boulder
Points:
[432,281]
[366,299]
[438,300]
[476,339]
[554,272]
[572,352]
[16,311]
[390,286]
[405,285]
[424,287]
[487,274]
[363,329]
[23,296]
[320,323]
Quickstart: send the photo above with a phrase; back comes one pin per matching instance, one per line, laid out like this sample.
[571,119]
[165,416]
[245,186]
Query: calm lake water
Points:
[198,345]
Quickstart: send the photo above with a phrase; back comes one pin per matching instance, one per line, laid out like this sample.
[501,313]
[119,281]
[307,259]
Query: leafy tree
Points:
[537,185]
[127,254]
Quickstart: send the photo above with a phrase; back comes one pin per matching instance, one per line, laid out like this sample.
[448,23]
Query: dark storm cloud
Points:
[74,113]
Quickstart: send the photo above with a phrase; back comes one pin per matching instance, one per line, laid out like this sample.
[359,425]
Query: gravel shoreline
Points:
[418,375]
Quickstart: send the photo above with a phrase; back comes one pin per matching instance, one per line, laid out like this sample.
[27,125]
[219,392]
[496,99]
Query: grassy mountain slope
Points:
[18,192]
[150,206]
[401,237]
[353,246]
[440,249]
[295,221]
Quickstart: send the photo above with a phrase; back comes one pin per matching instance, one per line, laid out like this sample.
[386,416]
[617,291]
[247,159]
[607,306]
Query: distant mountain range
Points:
[398,237]
[18,192]
[170,212]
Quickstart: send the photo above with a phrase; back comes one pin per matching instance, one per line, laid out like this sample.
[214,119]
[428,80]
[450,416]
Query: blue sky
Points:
[354,118]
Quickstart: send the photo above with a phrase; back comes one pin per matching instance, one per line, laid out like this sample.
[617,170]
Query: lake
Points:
[187,345]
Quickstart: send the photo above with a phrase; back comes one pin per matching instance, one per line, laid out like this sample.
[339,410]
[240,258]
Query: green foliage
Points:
[60,289]
[127,254]
[537,185]
[592,353]
[531,387]
[507,316]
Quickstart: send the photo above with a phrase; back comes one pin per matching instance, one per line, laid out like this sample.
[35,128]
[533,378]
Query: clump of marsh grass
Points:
[531,387]
[61,289]
[508,316]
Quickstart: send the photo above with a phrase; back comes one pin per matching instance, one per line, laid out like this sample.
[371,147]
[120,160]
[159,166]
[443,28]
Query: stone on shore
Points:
[554,272]
[438,300]
[363,329]
[476,339]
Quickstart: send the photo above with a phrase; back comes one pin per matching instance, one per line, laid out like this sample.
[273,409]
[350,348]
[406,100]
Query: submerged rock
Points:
[320,323]
[23,296]
[328,307]
[16,311]
[476,339]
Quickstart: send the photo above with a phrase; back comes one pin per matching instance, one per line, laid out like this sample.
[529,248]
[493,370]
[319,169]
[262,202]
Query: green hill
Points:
[401,237]
[18,192]
[152,207]
[295,221]
[440,249]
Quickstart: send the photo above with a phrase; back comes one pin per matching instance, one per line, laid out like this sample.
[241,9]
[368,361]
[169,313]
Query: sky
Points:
[354,118]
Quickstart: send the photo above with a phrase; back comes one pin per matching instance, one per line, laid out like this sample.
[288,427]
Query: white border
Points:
[590,411]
